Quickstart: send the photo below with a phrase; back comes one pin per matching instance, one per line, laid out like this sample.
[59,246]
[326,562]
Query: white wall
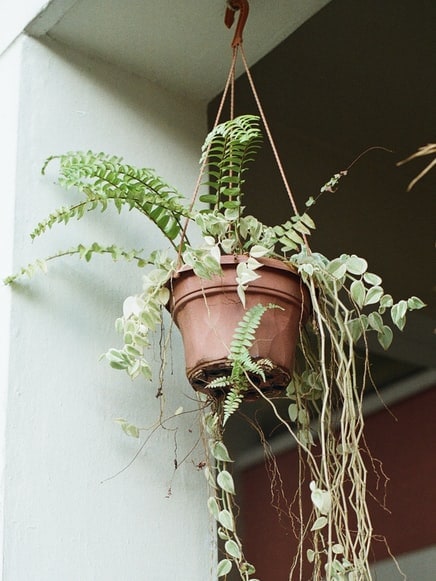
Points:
[9,80]
[62,520]
[14,16]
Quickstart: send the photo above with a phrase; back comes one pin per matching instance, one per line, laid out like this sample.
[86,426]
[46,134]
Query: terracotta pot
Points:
[207,313]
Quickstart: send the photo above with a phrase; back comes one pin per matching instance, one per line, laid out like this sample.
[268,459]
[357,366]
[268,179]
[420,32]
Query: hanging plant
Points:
[339,303]
[326,308]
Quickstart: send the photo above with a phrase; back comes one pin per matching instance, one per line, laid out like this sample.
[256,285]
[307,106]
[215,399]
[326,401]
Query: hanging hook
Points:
[229,18]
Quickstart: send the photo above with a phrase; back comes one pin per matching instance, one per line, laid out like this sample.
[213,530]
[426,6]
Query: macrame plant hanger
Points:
[242,7]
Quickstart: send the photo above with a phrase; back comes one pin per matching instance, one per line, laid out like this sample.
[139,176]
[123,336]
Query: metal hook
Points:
[229,18]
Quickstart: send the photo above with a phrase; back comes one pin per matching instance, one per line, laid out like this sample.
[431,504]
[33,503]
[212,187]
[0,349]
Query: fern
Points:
[103,179]
[84,252]
[291,234]
[65,214]
[242,363]
[227,150]
[232,402]
[220,382]
[244,335]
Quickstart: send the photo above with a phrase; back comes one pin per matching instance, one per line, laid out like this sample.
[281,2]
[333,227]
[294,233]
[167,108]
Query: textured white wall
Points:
[63,521]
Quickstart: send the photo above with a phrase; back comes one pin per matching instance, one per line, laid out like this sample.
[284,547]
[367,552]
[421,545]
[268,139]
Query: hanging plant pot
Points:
[207,313]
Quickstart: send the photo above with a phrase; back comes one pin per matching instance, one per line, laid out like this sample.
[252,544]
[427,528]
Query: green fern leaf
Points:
[231,404]
[227,151]
[244,334]
[85,253]
[242,363]
[103,178]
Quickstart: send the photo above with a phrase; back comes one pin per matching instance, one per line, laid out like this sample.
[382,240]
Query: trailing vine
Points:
[348,302]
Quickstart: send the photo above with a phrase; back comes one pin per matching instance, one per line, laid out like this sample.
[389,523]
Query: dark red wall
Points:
[406,446]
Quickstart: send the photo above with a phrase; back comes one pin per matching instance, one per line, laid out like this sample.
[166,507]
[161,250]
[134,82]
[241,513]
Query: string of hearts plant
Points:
[347,302]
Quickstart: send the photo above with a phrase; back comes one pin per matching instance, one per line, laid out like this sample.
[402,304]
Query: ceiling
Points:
[335,78]
[183,46]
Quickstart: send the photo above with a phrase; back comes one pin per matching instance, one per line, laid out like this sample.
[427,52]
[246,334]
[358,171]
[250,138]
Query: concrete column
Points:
[65,517]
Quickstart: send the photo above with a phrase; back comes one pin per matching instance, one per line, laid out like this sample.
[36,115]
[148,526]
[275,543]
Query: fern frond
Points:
[228,149]
[219,382]
[291,234]
[239,380]
[65,214]
[102,178]
[244,334]
[231,403]
[254,367]
[84,252]
[242,363]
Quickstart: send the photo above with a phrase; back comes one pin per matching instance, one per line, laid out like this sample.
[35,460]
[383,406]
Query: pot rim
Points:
[234,259]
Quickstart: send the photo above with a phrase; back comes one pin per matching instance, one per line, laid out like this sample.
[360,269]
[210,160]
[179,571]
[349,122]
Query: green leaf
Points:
[118,366]
[319,523]
[209,198]
[303,417]
[306,268]
[210,422]
[301,227]
[225,481]
[128,429]
[375,321]
[258,251]
[115,356]
[357,290]
[293,412]
[356,265]
[163,296]
[415,303]
[222,534]
[231,204]
[226,520]
[250,569]
[220,452]
[386,302]
[292,236]
[337,268]
[228,245]
[310,555]
[310,202]
[132,351]
[385,337]
[321,499]
[213,507]
[209,476]
[356,327]
[373,295]
[372,279]
[306,219]
[398,314]
[146,370]
[224,567]
[232,549]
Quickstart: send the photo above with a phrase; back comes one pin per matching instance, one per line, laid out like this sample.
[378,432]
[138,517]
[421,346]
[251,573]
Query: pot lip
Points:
[281,268]
[234,259]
